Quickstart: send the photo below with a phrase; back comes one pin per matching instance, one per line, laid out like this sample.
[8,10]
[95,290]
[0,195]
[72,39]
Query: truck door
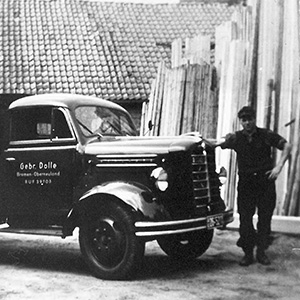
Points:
[40,165]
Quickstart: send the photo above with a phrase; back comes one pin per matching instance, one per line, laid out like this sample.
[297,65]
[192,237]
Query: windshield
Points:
[105,121]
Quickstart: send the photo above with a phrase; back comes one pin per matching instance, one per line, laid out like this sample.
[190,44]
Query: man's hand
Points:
[274,173]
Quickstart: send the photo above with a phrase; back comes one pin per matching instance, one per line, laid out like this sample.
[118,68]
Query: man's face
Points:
[248,123]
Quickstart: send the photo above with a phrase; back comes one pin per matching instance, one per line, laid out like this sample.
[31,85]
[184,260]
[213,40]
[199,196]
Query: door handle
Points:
[10,159]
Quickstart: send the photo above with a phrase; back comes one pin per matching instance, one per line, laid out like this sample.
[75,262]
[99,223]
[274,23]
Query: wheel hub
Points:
[108,241]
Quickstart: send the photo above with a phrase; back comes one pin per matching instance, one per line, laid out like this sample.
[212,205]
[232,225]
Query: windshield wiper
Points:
[85,127]
[116,129]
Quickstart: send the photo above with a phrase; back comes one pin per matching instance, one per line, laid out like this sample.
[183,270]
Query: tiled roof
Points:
[110,50]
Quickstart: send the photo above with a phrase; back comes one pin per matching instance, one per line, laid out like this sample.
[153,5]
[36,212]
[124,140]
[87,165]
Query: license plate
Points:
[214,221]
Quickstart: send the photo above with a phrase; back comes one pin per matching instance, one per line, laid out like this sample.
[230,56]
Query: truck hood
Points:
[142,145]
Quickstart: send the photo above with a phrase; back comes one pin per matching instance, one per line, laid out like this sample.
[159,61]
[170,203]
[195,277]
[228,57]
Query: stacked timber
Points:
[257,57]
[278,90]
[289,105]
[235,60]
[182,97]
[151,111]
[257,63]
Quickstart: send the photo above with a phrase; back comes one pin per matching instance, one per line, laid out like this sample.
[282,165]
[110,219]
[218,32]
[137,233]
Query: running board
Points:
[51,231]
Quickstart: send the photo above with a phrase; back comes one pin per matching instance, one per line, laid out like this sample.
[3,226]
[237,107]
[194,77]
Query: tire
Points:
[108,243]
[188,246]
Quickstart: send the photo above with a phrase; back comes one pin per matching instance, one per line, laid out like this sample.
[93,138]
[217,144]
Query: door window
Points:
[39,123]
[61,128]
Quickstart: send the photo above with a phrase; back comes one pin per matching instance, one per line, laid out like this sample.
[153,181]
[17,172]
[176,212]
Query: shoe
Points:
[247,260]
[262,258]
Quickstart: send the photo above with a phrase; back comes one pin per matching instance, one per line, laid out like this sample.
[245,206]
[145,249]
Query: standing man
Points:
[256,186]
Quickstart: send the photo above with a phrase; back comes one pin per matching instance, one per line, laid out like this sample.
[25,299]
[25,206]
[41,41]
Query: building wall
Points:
[135,110]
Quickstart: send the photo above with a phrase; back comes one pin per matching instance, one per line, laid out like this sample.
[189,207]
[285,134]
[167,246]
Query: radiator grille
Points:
[200,178]
[205,180]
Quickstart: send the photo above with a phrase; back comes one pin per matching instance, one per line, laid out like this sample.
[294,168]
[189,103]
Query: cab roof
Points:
[62,100]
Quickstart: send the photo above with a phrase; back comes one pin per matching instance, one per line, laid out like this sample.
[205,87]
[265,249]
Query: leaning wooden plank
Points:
[165,107]
[222,40]
[150,115]
[212,106]
[267,54]
[160,100]
[205,118]
[176,53]
[213,103]
[251,56]
[290,202]
[158,95]
[202,99]
[225,117]
[173,101]
[191,108]
[292,195]
[198,97]
[143,119]
[181,94]
[289,80]
[170,101]
[187,109]
[222,157]
[192,99]
[292,207]
[164,103]
[153,101]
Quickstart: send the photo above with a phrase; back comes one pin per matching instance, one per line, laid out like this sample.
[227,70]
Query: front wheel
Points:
[187,246]
[108,243]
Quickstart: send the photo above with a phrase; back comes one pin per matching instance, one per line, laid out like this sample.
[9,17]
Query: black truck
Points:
[71,161]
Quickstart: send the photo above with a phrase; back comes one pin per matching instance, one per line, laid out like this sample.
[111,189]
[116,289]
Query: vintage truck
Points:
[71,161]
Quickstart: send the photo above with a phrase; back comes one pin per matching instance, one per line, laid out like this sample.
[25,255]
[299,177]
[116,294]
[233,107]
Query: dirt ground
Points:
[35,267]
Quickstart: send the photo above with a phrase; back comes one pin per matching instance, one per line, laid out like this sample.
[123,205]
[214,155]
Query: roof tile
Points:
[110,50]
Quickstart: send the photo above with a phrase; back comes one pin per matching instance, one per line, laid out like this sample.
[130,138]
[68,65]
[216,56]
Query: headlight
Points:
[160,177]
[223,175]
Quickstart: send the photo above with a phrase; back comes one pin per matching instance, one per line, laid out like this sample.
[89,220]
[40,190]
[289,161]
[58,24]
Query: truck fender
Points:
[137,196]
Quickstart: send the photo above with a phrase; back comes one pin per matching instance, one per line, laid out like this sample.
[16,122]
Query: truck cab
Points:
[72,161]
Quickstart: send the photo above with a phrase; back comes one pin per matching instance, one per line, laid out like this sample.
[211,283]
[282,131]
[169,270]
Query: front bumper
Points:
[152,229]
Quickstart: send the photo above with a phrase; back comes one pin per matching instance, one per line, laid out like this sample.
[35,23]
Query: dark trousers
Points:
[255,191]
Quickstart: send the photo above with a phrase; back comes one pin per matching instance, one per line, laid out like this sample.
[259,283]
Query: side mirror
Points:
[223,175]
[150,125]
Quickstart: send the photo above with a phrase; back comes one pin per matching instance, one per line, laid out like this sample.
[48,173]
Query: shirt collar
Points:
[251,134]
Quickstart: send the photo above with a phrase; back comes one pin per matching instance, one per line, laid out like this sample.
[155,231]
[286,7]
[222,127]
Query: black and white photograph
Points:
[150,149]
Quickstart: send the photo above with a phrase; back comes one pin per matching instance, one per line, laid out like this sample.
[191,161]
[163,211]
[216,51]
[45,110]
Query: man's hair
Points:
[246,112]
